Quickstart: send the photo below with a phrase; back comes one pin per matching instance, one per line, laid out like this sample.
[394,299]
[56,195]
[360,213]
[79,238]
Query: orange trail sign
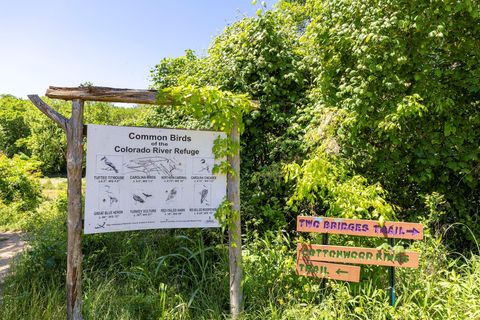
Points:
[358,255]
[333,271]
[356,227]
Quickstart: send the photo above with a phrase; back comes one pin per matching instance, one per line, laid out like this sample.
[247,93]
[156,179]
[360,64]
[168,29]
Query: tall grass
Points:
[183,274]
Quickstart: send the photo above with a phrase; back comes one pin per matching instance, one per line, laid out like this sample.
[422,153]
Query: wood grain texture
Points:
[49,111]
[106,94]
[235,232]
[74,219]
[357,227]
[357,255]
[328,270]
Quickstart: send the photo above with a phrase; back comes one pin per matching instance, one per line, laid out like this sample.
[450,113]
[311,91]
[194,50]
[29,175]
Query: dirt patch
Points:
[11,244]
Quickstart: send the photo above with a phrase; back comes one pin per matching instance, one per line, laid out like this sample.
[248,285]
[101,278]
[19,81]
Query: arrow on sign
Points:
[413,231]
[340,271]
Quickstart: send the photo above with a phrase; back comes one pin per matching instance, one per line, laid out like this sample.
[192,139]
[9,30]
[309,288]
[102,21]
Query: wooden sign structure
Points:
[315,260]
[357,255]
[74,129]
[141,178]
[365,228]
[328,270]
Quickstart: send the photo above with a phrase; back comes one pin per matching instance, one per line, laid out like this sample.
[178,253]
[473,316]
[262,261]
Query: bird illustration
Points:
[100,226]
[112,199]
[137,198]
[108,163]
[171,194]
[203,195]
[204,166]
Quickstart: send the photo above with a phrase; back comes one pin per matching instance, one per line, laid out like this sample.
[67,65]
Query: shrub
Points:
[19,189]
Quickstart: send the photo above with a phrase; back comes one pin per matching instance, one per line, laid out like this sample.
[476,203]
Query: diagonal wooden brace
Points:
[49,111]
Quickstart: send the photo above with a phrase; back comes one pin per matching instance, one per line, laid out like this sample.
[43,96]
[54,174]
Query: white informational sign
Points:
[149,178]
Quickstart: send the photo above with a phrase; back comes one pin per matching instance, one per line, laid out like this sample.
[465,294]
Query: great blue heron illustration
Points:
[109,195]
[112,199]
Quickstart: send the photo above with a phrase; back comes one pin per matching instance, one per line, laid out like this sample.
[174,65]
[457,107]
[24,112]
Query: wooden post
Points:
[74,173]
[74,130]
[391,279]
[235,231]
[323,281]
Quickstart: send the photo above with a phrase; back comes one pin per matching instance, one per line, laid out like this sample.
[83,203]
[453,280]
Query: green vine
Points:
[223,110]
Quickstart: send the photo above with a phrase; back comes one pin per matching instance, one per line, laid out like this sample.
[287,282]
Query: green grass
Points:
[53,187]
[183,274]
[12,217]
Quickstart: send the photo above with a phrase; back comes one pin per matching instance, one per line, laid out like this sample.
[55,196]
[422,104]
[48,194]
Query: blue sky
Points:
[109,43]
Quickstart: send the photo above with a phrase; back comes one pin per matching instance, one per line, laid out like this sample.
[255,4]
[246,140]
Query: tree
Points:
[13,125]
[406,77]
[256,56]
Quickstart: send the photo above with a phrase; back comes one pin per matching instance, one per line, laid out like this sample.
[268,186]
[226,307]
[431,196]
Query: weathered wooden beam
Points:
[235,231]
[74,219]
[105,94]
[49,111]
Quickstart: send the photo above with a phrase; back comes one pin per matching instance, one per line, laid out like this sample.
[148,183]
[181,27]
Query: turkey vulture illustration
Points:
[137,199]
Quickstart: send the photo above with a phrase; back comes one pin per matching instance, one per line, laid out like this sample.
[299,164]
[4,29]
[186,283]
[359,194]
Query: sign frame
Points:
[141,178]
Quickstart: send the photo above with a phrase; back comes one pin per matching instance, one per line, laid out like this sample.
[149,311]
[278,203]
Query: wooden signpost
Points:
[315,260]
[356,255]
[365,228]
[74,129]
[328,270]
